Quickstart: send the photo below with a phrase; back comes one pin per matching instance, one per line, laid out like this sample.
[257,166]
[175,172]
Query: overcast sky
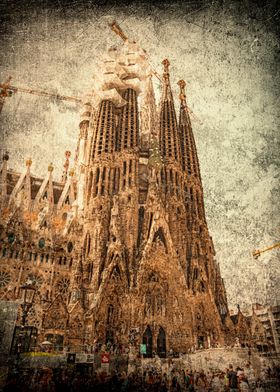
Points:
[229,57]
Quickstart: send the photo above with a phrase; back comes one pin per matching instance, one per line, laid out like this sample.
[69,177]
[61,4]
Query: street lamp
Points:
[28,297]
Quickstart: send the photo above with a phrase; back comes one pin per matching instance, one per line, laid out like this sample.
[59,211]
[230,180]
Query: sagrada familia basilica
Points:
[118,250]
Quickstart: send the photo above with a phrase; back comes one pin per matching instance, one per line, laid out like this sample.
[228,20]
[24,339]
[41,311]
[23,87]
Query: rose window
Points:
[63,285]
[5,279]
[35,279]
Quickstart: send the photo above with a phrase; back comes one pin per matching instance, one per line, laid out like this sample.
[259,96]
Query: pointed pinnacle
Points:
[28,162]
[182,85]
[166,64]
[50,167]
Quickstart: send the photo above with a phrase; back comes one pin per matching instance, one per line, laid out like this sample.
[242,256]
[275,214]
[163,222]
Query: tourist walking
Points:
[233,379]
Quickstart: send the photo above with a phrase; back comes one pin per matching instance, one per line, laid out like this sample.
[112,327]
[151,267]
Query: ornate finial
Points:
[166,64]
[28,162]
[116,28]
[50,167]
[182,85]
[66,165]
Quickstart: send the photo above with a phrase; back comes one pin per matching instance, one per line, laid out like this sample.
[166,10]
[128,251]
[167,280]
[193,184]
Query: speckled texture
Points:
[228,54]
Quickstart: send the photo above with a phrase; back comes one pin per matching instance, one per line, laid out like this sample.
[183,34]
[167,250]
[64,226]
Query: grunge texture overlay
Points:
[228,53]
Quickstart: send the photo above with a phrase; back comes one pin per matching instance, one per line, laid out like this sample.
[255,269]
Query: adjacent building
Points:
[270,319]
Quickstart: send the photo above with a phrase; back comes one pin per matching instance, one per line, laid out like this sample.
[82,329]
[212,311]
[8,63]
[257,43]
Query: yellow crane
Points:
[7,90]
[257,253]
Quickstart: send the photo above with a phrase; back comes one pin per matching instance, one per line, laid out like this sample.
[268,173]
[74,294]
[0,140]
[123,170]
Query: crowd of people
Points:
[175,380]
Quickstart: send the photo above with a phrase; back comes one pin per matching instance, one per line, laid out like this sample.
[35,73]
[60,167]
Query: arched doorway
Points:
[148,340]
[161,343]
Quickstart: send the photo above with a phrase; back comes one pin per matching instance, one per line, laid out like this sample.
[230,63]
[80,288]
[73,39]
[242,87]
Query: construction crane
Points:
[6,90]
[257,253]
[118,31]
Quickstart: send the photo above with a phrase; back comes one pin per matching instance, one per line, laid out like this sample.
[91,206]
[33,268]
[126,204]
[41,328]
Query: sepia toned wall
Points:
[228,54]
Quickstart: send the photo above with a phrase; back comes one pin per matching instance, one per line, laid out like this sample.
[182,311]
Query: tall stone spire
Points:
[128,137]
[168,133]
[189,154]
[104,138]
[148,114]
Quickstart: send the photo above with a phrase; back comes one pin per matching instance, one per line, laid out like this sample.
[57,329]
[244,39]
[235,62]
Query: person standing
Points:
[226,381]
[233,380]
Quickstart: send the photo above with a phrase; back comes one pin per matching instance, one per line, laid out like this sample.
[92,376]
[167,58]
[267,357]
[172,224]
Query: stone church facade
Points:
[119,249]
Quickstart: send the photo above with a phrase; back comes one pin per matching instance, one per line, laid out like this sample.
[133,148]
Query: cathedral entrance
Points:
[161,343]
[148,340]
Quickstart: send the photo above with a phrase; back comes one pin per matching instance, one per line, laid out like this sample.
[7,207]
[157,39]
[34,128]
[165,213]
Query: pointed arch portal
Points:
[161,343]
[148,340]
